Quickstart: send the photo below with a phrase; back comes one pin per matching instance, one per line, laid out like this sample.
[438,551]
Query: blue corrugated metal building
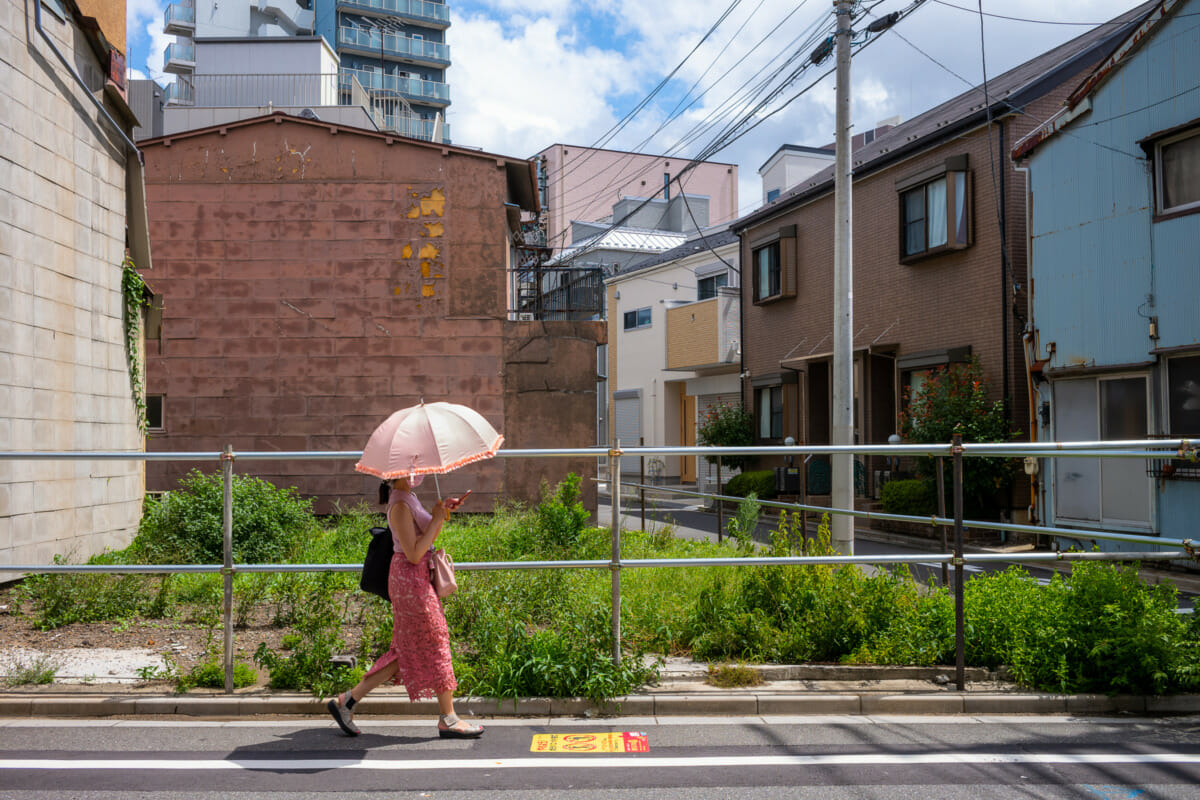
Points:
[1113,344]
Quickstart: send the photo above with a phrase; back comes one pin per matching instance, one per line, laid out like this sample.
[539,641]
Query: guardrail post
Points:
[227,572]
[941,492]
[960,644]
[642,482]
[720,505]
[614,471]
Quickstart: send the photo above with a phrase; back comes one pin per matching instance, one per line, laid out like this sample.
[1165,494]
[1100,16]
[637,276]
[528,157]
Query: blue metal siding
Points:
[1100,265]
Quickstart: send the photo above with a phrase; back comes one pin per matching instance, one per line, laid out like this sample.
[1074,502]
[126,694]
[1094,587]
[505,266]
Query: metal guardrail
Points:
[956,450]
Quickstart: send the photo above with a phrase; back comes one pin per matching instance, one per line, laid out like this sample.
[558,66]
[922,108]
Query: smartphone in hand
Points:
[453,503]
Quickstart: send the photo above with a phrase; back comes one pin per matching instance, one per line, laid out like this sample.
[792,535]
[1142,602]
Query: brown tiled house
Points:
[317,277]
[939,262]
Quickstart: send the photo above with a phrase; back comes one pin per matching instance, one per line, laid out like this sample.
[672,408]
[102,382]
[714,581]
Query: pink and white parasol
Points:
[428,439]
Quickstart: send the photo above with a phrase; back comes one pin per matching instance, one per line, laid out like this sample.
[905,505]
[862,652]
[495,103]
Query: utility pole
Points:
[842,533]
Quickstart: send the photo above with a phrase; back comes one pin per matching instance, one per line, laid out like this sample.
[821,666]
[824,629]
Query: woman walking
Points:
[419,655]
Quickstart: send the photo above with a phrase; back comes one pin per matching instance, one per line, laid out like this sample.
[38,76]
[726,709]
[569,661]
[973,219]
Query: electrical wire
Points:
[1013,108]
[721,110]
[1038,21]
[731,133]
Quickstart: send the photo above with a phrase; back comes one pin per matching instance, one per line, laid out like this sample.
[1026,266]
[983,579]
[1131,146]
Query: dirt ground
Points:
[187,643]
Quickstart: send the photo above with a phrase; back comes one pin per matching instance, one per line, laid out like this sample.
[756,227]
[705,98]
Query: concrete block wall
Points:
[64,380]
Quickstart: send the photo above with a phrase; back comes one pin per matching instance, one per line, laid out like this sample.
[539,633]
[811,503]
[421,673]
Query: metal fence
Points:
[956,451]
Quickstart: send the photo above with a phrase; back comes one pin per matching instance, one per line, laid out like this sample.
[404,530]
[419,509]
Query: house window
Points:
[1177,172]
[1183,396]
[769,405]
[637,319]
[707,287]
[772,195]
[1102,491]
[666,186]
[766,271]
[154,413]
[935,210]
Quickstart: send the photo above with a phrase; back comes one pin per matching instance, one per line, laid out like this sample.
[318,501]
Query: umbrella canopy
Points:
[428,439]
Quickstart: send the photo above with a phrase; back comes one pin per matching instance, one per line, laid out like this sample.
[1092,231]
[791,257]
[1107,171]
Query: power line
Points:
[973,12]
[1010,106]
[709,121]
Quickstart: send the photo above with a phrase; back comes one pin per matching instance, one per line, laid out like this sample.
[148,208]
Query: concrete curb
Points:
[657,705]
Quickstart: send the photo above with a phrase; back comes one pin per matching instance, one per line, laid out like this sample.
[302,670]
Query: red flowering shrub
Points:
[954,400]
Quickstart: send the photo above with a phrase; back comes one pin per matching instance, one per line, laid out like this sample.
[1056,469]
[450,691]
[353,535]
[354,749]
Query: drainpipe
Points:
[37,23]
[1029,344]
[1004,270]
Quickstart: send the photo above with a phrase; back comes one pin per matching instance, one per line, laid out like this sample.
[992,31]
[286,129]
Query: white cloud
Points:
[518,94]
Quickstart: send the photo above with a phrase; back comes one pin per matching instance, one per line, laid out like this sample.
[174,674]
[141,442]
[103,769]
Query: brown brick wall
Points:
[950,300]
[316,279]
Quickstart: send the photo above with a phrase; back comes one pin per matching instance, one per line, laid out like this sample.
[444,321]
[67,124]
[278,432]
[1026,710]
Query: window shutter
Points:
[788,261]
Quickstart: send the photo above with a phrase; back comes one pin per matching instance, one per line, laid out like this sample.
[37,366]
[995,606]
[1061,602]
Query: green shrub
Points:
[759,482]
[726,425]
[1103,630]
[571,659]
[37,671]
[559,518]
[211,675]
[186,525]
[913,497]
[58,599]
[318,624]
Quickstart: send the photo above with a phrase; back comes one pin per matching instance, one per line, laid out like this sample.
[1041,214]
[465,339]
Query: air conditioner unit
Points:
[525,316]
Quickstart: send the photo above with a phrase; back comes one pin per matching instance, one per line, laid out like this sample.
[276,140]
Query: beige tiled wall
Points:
[64,384]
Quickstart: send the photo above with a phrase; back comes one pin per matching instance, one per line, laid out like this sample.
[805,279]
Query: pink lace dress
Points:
[420,640]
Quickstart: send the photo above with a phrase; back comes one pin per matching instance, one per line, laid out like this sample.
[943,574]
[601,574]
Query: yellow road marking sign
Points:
[624,742]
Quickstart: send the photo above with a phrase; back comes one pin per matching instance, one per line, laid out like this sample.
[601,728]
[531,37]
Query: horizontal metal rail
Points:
[1141,448]
[640,563]
[968,524]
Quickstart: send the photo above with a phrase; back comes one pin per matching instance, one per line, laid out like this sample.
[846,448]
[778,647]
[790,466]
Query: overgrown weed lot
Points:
[548,632]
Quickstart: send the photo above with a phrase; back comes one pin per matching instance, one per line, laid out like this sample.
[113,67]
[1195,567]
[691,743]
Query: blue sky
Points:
[529,73]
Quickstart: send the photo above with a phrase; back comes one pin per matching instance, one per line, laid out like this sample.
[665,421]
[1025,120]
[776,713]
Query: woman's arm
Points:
[414,546]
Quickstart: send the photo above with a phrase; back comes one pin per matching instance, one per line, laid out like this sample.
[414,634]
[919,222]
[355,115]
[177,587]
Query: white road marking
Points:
[605,762]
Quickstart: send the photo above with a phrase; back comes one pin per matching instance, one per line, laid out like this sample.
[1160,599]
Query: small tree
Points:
[954,400]
[726,425]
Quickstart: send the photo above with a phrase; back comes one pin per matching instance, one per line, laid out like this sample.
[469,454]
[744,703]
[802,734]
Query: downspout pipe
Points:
[37,24]
[1029,346]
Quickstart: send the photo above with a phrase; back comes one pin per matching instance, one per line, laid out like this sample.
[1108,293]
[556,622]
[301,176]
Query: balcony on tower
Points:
[432,15]
[179,19]
[390,44]
[179,58]
[431,93]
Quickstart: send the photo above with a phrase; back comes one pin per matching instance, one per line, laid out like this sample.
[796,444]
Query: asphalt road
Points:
[818,757]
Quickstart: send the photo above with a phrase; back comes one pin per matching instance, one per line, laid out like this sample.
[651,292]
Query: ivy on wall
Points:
[133,288]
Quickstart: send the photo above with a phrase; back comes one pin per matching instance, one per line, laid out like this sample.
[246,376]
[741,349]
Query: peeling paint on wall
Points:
[433,203]
[301,156]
